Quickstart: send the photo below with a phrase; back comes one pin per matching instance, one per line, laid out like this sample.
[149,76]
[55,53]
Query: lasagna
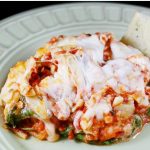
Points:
[90,87]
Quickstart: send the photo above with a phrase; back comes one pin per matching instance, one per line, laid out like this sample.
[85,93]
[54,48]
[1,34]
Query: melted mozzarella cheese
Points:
[119,50]
[76,121]
[97,110]
[93,47]
[60,86]
[84,72]
[94,75]
[128,129]
[30,63]
[38,106]
[50,128]
[121,73]
[69,74]
[125,110]
[62,110]
[143,63]
[67,41]
[88,75]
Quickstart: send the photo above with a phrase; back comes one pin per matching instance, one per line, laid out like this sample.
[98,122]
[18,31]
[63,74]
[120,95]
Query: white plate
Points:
[22,34]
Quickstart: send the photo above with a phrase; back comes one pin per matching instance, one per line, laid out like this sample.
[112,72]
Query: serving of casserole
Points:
[90,87]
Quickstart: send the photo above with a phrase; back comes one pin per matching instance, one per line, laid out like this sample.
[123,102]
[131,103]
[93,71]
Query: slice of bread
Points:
[138,34]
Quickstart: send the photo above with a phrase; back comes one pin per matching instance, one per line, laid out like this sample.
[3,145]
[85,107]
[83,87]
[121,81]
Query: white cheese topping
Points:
[119,50]
[97,110]
[93,47]
[121,73]
[84,73]
[79,77]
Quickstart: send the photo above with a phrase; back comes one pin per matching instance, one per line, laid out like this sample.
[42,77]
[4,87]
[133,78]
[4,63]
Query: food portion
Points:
[90,88]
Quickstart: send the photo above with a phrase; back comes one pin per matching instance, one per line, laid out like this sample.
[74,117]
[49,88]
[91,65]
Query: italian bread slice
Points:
[138,34]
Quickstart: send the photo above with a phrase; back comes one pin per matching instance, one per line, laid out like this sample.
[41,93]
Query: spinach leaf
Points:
[110,141]
[137,121]
[93,142]
[13,119]
[64,134]
[79,136]
[148,112]
[27,113]
[136,124]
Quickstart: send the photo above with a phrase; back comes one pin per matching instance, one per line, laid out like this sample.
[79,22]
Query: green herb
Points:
[79,136]
[93,142]
[137,121]
[27,113]
[136,124]
[109,142]
[64,134]
[148,112]
[13,119]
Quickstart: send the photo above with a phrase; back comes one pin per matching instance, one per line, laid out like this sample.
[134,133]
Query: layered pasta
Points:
[90,87]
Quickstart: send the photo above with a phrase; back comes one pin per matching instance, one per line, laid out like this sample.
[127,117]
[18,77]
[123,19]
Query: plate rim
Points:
[27,12]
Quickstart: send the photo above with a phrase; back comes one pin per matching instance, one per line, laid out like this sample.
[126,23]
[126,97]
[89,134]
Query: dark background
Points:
[10,8]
